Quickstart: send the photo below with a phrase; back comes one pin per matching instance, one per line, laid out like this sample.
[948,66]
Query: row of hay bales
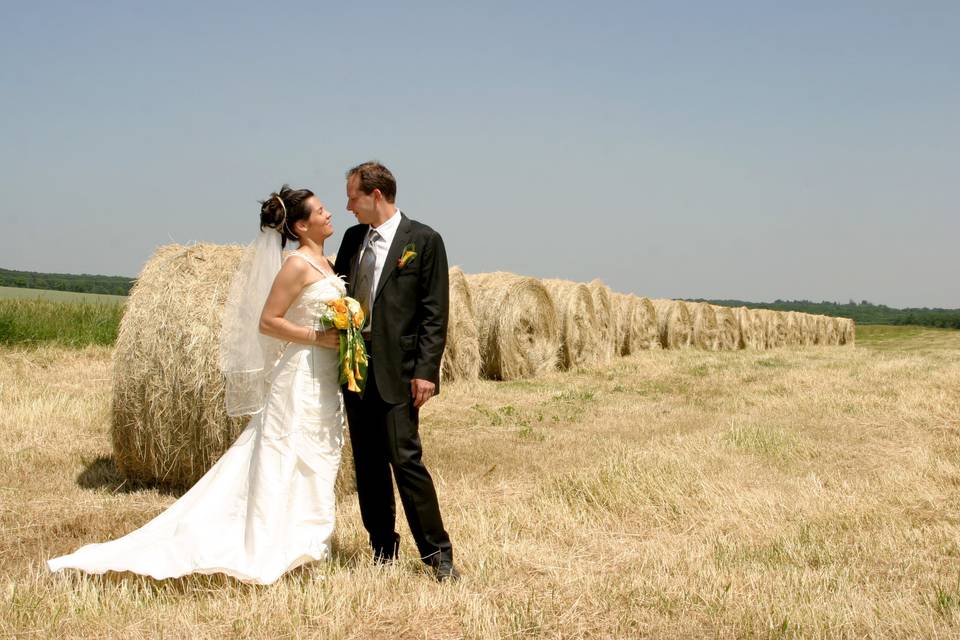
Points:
[505,326]
[169,423]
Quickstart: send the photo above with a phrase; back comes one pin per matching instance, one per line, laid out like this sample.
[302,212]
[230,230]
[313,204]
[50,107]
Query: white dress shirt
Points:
[386,232]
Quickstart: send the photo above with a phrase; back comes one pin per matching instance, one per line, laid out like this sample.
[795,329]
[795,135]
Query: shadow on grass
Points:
[102,474]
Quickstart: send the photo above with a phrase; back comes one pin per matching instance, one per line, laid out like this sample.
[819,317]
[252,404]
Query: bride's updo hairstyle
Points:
[283,209]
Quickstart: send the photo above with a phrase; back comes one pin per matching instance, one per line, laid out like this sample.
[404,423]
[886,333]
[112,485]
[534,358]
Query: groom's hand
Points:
[421,390]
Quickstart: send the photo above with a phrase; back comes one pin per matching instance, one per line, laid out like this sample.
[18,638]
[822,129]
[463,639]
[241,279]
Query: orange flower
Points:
[351,381]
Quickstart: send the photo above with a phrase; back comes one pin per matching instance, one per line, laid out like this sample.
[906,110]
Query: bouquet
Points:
[345,315]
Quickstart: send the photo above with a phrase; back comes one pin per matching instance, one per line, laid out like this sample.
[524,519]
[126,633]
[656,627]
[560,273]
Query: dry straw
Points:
[674,323]
[604,319]
[461,358]
[706,332]
[581,339]
[728,328]
[517,324]
[169,424]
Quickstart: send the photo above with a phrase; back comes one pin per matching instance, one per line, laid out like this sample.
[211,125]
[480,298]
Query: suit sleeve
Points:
[433,309]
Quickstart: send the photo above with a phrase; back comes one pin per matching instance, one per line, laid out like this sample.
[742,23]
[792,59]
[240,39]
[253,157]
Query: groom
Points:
[397,269]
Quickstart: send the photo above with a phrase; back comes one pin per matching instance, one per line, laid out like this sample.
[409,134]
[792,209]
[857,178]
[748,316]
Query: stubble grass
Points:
[798,493]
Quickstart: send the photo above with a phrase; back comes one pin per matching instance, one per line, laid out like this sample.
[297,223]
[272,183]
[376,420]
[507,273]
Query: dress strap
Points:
[308,260]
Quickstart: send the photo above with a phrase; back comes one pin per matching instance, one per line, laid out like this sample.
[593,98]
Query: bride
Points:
[268,503]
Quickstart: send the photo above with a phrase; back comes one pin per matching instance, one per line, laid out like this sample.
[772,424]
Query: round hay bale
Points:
[674,323]
[728,328]
[581,341]
[776,329]
[168,420]
[646,331]
[820,333]
[461,357]
[848,332]
[636,323]
[604,319]
[624,308]
[517,325]
[833,331]
[749,337]
[793,323]
[706,332]
[808,329]
[759,320]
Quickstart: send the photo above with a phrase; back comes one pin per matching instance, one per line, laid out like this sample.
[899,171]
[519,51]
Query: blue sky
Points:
[747,150]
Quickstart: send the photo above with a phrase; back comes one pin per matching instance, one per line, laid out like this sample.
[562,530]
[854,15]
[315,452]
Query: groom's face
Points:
[363,205]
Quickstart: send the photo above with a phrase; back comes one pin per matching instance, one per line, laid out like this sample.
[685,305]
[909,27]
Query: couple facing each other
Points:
[268,503]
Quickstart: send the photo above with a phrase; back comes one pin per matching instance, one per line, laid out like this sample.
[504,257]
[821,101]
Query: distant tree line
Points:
[83,283]
[862,312]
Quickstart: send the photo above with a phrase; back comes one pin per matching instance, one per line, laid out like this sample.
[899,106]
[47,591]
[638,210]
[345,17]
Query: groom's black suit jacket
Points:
[410,307]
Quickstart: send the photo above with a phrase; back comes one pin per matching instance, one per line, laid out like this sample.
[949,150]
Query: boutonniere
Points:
[407,256]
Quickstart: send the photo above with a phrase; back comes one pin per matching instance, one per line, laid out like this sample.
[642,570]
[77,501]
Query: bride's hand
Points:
[329,339]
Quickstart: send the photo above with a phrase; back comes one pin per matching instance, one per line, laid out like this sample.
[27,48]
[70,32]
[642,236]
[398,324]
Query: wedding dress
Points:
[268,503]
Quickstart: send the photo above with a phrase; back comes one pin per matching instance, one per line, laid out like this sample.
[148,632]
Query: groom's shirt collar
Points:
[389,228]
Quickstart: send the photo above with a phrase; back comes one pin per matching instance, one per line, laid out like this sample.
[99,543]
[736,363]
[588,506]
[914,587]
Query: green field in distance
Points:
[59,296]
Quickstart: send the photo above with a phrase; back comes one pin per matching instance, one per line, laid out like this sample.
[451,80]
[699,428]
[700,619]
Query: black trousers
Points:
[385,436]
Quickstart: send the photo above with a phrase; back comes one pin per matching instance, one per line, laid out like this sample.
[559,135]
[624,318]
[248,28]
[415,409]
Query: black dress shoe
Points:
[444,571]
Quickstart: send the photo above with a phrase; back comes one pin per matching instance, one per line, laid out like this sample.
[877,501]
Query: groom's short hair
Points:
[373,175]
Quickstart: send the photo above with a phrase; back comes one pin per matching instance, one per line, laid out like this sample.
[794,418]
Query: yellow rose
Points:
[341,321]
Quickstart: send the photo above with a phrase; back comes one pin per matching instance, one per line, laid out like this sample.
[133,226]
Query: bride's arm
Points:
[286,286]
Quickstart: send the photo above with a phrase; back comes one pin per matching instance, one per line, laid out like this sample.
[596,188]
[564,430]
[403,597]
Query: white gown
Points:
[268,503]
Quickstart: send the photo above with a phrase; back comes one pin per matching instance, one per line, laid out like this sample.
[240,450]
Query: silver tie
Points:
[364,287]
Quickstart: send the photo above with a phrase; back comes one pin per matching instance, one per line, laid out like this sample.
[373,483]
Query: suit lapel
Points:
[355,260]
[400,240]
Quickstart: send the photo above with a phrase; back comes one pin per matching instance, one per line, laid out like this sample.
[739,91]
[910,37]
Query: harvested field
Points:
[789,493]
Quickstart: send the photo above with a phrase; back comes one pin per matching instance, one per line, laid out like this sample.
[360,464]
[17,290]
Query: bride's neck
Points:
[312,247]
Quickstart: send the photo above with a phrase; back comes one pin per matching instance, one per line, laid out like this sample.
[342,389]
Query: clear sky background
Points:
[752,150]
